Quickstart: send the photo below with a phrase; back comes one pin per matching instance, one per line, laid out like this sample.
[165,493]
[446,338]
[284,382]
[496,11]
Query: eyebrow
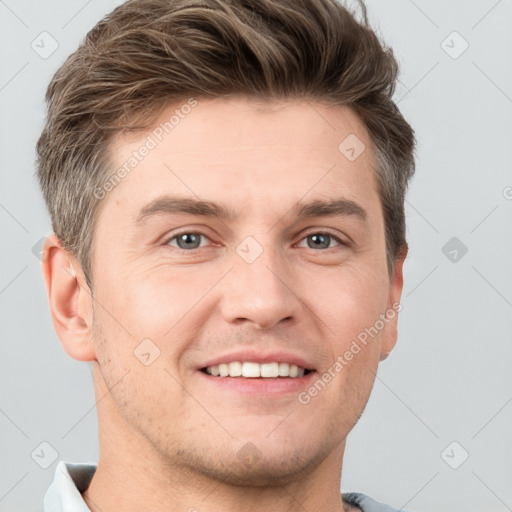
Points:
[170,205]
[317,208]
[333,207]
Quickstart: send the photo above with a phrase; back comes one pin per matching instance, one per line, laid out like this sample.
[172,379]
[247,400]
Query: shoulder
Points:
[357,501]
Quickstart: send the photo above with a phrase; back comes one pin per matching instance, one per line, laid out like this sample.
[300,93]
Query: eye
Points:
[187,240]
[321,240]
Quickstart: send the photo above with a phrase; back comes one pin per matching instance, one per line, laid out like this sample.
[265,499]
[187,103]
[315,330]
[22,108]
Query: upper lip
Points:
[259,357]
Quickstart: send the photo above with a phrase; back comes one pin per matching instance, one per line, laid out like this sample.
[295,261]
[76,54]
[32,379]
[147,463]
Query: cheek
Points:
[133,367]
[148,305]
[349,301]
[151,312]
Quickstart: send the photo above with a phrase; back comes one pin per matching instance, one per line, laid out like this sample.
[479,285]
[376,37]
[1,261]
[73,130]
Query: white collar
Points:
[69,481]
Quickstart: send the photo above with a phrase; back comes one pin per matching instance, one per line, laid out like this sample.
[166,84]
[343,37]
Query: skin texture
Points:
[171,438]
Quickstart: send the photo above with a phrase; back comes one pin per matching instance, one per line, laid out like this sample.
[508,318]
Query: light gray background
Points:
[449,376]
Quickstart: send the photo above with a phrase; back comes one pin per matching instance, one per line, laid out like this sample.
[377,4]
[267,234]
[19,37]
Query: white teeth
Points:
[251,370]
[254,370]
[235,369]
[223,370]
[270,369]
[284,370]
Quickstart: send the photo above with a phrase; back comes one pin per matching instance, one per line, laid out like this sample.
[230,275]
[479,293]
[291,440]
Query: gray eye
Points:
[319,241]
[188,240]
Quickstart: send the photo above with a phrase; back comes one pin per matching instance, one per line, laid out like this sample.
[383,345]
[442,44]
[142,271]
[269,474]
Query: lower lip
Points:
[277,386]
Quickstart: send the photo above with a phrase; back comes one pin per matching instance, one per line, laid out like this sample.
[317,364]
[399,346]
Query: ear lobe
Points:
[70,300]
[390,334]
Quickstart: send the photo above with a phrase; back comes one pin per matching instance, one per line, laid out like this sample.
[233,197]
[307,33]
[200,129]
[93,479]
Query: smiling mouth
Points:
[248,369]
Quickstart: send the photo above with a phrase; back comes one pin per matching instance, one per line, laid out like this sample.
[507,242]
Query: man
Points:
[262,135]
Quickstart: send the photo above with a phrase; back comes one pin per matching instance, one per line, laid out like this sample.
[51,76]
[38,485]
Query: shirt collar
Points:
[64,493]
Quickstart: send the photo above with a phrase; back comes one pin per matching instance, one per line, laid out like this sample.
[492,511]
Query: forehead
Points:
[258,156]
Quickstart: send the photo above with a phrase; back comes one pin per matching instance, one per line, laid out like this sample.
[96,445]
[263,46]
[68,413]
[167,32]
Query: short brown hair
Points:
[147,54]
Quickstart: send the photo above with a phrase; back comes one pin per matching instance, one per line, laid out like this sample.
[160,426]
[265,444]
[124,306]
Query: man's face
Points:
[264,285]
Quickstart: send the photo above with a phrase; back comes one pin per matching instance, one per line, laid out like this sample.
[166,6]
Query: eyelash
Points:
[306,235]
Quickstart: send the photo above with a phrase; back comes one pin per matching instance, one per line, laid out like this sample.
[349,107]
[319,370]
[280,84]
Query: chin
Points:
[249,466]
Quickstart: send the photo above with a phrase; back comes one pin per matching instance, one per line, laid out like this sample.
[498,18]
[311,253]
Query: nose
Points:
[260,292]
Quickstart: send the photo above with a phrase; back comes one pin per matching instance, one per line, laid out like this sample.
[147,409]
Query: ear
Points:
[390,333]
[70,300]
